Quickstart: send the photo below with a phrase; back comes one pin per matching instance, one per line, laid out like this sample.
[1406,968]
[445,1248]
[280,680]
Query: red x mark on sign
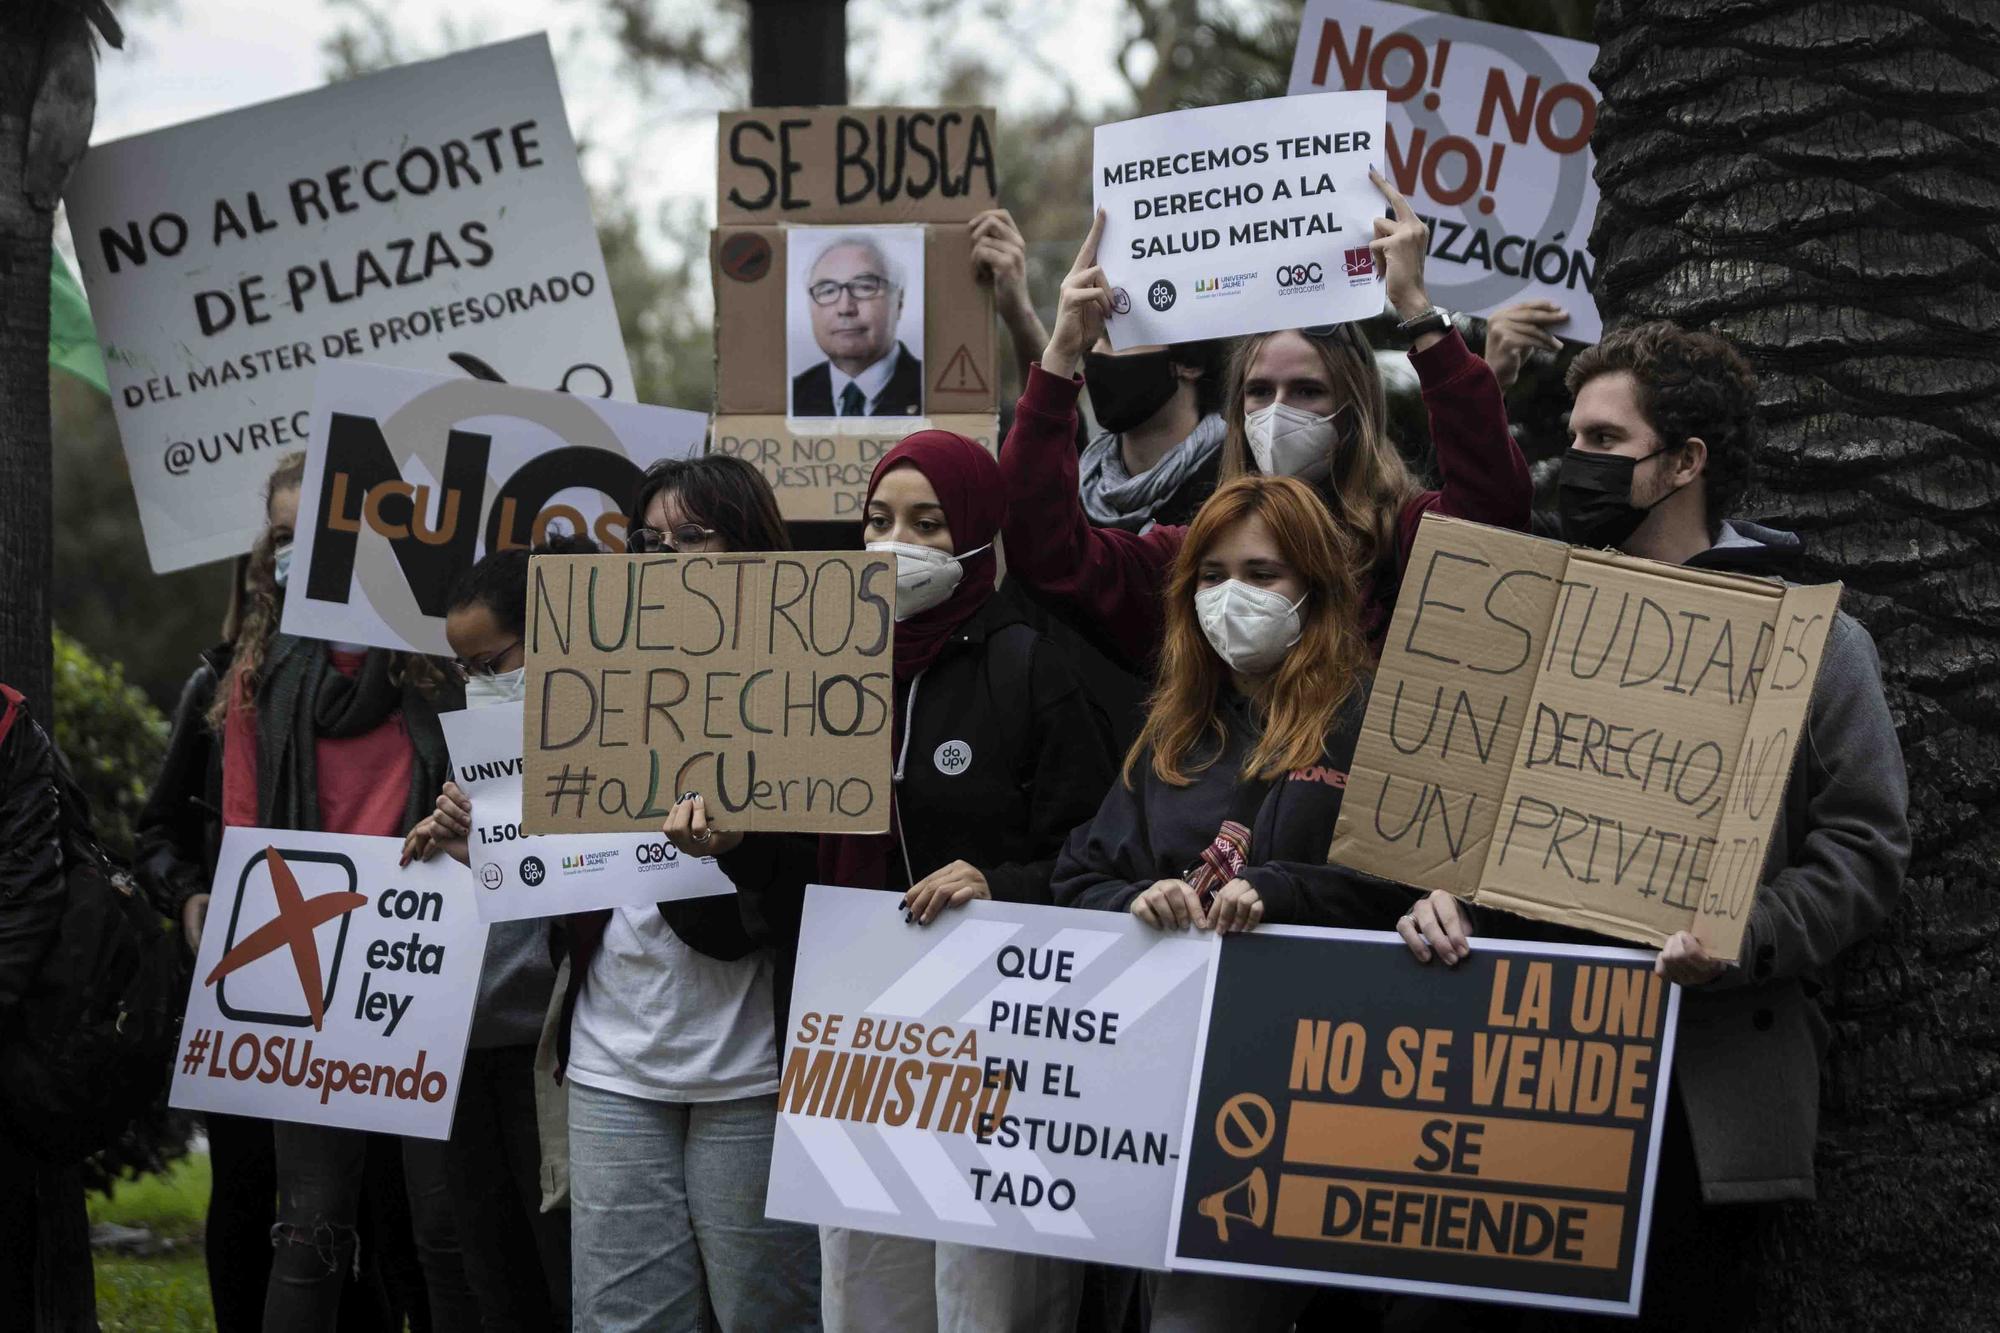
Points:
[292,927]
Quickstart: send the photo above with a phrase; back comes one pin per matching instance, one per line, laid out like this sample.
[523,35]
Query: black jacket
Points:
[902,396]
[1152,831]
[1001,707]
[32,887]
[179,832]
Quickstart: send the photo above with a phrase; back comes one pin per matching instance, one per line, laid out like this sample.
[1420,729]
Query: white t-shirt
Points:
[663,1022]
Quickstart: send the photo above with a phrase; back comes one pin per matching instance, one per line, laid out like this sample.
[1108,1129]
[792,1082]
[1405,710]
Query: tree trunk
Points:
[25,230]
[1819,180]
[798,52]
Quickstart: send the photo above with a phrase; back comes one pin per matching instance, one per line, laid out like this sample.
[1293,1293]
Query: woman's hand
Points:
[1083,308]
[1235,907]
[1170,904]
[948,886]
[1436,928]
[688,829]
[429,838]
[1000,260]
[454,812]
[1399,247]
[194,918]
[1513,334]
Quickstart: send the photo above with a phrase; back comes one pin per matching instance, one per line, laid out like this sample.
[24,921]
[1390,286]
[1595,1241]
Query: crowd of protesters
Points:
[1155,695]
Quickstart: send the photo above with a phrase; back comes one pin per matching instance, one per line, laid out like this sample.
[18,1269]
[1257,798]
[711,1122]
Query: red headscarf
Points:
[969,486]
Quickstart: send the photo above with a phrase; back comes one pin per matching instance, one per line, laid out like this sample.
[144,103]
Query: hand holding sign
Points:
[954,885]
[1398,248]
[1513,334]
[688,829]
[1000,258]
[1082,309]
[1686,963]
[1436,928]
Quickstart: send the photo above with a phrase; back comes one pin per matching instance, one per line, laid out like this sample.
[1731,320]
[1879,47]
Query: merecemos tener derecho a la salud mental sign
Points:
[761,680]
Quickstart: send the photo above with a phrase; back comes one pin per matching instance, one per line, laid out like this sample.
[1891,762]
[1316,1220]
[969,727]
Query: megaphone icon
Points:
[1248,1200]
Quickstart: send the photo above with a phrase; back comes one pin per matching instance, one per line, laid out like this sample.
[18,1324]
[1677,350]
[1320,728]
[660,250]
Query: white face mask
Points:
[925,576]
[502,687]
[1251,629]
[281,561]
[1287,442]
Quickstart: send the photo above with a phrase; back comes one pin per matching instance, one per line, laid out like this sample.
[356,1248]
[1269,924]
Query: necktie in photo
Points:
[852,404]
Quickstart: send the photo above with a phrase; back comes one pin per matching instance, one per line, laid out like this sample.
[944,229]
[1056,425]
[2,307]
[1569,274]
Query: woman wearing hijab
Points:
[997,756]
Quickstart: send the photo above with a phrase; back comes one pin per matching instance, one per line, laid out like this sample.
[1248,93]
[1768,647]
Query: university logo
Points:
[1360,263]
[294,928]
[1160,295]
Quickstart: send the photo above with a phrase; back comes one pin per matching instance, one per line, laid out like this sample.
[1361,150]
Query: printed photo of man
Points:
[855,290]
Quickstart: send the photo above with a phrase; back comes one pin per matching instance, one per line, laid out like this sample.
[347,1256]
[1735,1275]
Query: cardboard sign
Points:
[1009,1076]
[855,164]
[1488,1131]
[520,875]
[1582,737]
[1236,219]
[411,478]
[400,217]
[754,297]
[331,986]
[763,681]
[822,475]
[1489,140]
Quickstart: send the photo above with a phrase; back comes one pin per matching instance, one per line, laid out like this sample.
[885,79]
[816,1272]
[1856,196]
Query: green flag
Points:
[72,337]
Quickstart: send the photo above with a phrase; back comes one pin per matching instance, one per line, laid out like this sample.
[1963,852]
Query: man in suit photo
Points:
[854,292]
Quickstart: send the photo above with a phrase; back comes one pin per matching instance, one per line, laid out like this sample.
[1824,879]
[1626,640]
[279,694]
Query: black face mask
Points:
[1125,391]
[1594,497]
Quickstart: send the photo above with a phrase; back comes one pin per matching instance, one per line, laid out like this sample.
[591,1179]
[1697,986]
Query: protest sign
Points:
[761,680]
[1236,219]
[1580,736]
[822,474]
[1488,138]
[1009,1076]
[1488,1131]
[411,478]
[520,875]
[331,987]
[758,289]
[399,217]
[855,164]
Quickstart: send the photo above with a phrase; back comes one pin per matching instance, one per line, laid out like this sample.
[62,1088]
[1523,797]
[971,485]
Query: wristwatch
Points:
[1435,320]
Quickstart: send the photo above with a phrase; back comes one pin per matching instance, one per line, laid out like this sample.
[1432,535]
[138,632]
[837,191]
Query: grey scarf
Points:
[1113,498]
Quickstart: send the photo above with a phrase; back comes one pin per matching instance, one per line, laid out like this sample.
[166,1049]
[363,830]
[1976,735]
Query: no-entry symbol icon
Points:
[1245,1125]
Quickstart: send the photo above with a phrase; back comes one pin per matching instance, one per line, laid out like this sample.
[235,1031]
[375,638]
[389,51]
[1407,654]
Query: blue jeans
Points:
[667,1226]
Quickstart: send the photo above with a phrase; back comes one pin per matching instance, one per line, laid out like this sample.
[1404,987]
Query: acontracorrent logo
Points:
[1300,275]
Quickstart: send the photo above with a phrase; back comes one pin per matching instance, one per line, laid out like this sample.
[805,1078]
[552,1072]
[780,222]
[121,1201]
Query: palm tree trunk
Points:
[1819,180]
[25,651]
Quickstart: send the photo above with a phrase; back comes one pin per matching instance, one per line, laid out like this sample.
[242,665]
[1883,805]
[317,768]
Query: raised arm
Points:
[1105,577]
[1484,476]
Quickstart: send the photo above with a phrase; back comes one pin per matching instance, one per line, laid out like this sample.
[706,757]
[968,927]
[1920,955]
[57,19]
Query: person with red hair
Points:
[998,755]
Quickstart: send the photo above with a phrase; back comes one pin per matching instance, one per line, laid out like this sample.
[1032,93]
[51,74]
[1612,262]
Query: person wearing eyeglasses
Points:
[1305,403]
[854,291]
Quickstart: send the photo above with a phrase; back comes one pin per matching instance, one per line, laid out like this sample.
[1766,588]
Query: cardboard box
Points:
[822,475]
[855,164]
[751,375]
[1582,737]
[763,681]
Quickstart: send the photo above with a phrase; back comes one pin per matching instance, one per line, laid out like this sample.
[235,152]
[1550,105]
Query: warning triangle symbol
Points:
[960,374]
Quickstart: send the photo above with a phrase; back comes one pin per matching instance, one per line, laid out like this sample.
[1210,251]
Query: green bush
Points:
[112,736]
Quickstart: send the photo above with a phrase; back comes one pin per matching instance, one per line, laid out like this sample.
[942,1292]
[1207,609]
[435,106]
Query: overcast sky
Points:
[218,55]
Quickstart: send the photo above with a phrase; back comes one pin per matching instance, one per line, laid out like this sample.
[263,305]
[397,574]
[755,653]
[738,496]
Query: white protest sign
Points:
[331,987]
[411,477]
[1488,138]
[520,875]
[428,209]
[1009,1076]
[1237,219]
